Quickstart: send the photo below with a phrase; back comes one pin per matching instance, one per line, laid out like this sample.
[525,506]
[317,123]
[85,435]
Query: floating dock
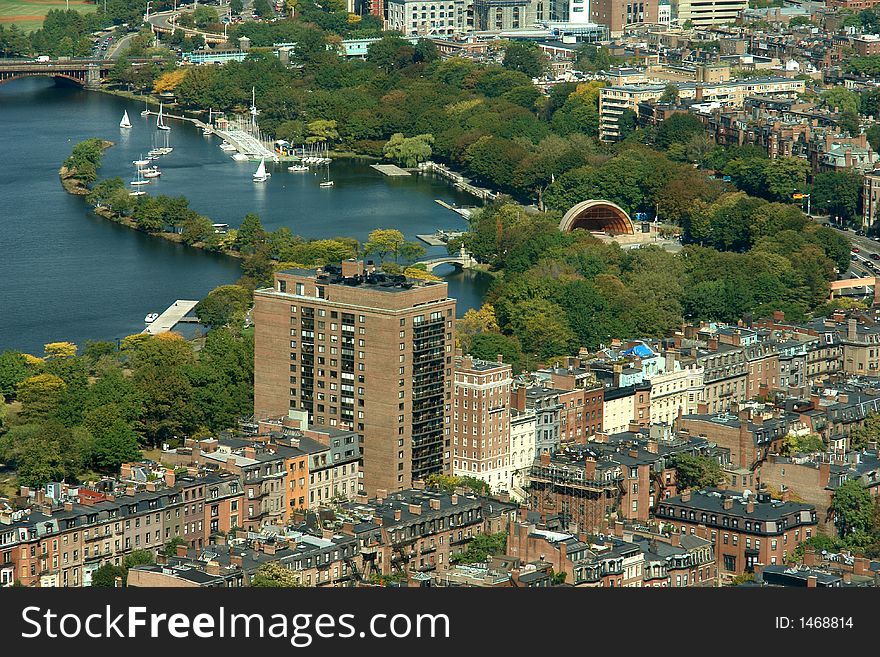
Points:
[173,315]
[440,237]
[390,170]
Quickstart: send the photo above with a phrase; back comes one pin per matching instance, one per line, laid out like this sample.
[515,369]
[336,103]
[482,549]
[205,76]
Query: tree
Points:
[170,547]
[224,305]
[40,395]
[696,471]
[853,509]
[678,129]
[481,547]
[251,233]
[115,445]
[836,193]
[106,576]
[383,242]
[13,370]
[785,175]
[408,151]
[670,94]
[476,321]
[806,444]
[205,15]
[322,130]
[169,81]
[525,57]
[869,431]
[274,575]
[236,6]
[59,350]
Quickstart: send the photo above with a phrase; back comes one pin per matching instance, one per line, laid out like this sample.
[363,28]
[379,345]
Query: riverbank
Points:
[78,187]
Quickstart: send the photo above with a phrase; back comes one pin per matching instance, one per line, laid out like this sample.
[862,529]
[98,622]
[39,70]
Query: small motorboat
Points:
[297,168]
[226,146]
[152,173]
[326,183]
[240,157]
[137,193]
[152,317]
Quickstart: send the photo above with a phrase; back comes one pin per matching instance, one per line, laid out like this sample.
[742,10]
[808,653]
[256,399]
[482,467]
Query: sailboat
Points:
[297,168]
[209,129]
[146,111]
[327,182]
[139,178]
[125,123]
[141,162]
[160,123]
[261,175]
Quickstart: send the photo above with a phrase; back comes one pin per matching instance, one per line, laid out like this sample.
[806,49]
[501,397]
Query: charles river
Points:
[66,274]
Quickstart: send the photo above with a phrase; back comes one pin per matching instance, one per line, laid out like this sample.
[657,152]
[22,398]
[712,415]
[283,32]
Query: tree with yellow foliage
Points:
[420,273]
[169,81]
[59,350]
[132,342]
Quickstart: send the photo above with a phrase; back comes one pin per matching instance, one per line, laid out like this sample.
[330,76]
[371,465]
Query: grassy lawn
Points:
[28,14]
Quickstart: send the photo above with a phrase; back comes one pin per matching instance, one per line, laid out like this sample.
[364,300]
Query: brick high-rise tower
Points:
[362,350]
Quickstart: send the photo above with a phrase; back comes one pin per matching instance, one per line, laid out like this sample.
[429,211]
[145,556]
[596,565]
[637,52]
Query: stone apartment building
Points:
[411,531]
[746,531]
[481,421]
[339,342]
[60,544]
[425,18]
[675,391]
[750,435]
[544,402]
[523,428]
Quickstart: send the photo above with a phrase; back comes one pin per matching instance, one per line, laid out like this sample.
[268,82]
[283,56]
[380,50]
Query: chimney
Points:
[170,478]
[519,399]
[811,581]
[397,513]
[68,506]
[675,539]
[727,503]
[618,371]
[750,505]
[212,568]
[670,359]
[125,471]
[415,509]
[151,486]
[712,343]
[499,358]
[545,458]
[851,329]
[250,452]
[236,560]
[381,494]
[634,453]
[454,499]
[180,550]
[618,529]
[589,468]
[435,504]
[418,484]
[824,474]
[352,267]
[786,495]
[653,447]
[686,495]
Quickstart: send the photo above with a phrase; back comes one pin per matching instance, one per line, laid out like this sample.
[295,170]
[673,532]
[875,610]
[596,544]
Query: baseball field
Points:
[29,14]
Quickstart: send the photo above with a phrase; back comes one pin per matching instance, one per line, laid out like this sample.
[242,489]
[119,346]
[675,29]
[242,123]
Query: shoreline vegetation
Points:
[260,252]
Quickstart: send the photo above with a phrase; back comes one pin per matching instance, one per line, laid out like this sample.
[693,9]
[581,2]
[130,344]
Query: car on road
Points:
[855,249]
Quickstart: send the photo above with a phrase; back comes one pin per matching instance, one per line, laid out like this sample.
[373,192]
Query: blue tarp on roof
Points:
[639,350]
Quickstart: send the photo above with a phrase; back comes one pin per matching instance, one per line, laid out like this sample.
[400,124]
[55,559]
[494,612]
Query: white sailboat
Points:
[160,123]
[125,123]
[261,175]
[146,111]
[327,182]
[152,172]
[209,129]
[139,178]
[141,162]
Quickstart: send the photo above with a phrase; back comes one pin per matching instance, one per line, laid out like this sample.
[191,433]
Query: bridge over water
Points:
[84,72]
[461,260]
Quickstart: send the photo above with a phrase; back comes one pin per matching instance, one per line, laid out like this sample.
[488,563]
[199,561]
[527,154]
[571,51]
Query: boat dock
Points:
[440,237]
[390,170]
[459,181]
[464,212]
[173,315]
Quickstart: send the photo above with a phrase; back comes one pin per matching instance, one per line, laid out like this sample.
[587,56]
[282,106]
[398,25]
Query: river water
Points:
[66,274]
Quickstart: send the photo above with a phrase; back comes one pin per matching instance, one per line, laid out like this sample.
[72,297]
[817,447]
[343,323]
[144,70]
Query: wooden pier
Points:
[173,315]
[390,170]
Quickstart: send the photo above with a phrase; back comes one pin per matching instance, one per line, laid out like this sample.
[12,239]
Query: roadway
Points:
[864,257]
